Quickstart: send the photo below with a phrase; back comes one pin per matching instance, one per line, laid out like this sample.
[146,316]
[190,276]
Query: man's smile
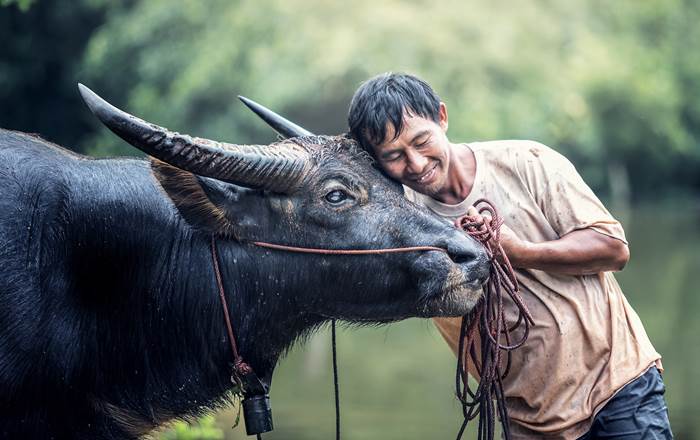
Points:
[427,176]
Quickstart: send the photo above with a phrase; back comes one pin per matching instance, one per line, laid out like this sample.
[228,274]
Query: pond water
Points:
[396,381]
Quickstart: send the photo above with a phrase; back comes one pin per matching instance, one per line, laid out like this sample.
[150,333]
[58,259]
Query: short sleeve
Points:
[566,201]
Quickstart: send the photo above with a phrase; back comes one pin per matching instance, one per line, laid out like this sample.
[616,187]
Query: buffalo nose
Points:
[462,258]
[471,255]
[464,253]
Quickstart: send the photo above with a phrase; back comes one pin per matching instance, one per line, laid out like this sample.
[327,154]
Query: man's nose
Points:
[416,162]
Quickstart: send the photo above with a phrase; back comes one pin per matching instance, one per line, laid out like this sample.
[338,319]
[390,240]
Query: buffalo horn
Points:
[284,127]
[278,168]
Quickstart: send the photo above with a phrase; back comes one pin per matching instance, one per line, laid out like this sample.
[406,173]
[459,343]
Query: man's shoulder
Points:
[518,153]
[503,146]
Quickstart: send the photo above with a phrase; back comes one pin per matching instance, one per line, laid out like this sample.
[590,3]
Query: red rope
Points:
[306,250]
[494,331]
[240,367]
[488,316]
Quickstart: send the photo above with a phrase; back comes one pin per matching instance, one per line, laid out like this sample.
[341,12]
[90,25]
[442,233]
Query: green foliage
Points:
[40,54]
[204,429]
[615,86]
[604,83]
[21,4]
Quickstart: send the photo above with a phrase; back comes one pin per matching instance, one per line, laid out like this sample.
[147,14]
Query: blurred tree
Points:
[614,86]
[43,42]
[22,4]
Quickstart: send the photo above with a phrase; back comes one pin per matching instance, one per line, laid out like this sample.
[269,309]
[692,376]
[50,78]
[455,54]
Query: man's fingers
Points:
[473,213]
[477,218]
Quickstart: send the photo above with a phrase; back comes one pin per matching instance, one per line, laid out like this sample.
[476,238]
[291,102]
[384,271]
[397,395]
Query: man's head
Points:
[402,123]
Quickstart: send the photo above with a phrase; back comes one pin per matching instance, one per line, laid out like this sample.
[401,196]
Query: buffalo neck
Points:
[146,279]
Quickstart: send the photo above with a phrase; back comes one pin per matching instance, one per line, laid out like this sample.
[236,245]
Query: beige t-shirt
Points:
[587,341]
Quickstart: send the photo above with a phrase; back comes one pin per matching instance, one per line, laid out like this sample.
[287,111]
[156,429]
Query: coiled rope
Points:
[494,333]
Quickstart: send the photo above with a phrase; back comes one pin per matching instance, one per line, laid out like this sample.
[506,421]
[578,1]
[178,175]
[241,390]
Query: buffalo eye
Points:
[336,197]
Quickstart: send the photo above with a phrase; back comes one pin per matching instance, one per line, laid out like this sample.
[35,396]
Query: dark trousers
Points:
[638,411]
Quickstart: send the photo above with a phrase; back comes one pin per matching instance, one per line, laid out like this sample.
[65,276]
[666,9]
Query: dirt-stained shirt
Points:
[587,342]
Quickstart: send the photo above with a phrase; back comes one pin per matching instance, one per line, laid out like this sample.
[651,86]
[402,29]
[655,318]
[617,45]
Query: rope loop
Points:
[241,368]
[487,321]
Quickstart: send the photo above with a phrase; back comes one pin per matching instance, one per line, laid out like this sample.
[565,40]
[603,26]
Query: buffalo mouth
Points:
[457,296]
[455,300]
[454,294]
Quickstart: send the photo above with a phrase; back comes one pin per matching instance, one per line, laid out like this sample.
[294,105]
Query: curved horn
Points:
[279,168]
[283,126]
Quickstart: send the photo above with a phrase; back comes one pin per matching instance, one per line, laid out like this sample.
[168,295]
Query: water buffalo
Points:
[110,321]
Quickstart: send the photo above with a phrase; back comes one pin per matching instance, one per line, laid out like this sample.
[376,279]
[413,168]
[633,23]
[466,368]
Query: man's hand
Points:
[581,252]
[512,245]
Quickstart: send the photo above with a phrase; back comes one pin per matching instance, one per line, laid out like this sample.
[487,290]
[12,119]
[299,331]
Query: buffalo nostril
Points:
[462,258]
[464,250]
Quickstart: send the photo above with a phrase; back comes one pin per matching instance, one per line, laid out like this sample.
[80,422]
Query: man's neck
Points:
[460,175]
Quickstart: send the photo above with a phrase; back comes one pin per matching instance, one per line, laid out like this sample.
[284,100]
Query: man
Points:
[588,368]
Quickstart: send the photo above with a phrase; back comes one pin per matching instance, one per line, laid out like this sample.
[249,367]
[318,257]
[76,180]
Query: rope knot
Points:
[241,368]
[487,322]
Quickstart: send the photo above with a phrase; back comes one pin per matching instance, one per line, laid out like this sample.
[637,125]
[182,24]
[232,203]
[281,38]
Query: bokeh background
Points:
[615,86]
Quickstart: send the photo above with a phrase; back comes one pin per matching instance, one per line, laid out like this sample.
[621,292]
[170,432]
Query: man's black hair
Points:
[387,98]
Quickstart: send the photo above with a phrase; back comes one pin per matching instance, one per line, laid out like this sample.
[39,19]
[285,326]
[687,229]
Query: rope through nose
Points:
[305,250]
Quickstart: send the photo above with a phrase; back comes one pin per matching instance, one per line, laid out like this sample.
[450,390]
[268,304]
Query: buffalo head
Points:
[319,192]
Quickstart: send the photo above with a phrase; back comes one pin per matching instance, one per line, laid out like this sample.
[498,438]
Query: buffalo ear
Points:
[200,200]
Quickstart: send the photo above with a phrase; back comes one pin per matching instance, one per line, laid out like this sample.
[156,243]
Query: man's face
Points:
[420,156]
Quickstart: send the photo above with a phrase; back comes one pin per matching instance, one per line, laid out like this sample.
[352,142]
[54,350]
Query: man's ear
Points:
[209,205]
[443,116]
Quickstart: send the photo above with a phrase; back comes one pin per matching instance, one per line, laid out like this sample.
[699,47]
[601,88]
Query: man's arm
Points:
[571,209]
[581,252]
